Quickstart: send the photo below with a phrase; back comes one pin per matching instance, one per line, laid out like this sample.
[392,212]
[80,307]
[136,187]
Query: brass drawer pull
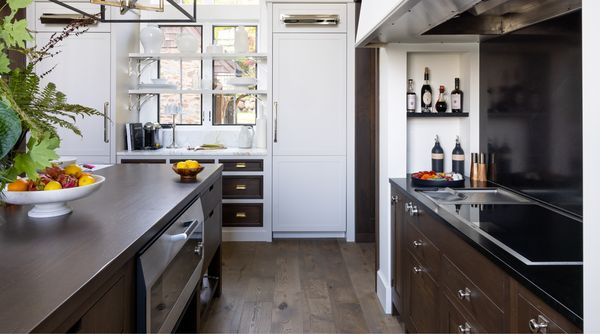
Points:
[240,165]
[240,215]
[240,187]
[464,294]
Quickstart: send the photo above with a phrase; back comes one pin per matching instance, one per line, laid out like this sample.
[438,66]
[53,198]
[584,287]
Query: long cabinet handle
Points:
[106,139]
[275,105]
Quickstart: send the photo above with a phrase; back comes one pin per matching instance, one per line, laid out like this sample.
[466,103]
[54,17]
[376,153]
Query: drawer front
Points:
[243,187]
[242,165]
[466,294]
[143,161]
[423,249]
[212,235]
[309,9]
[243,215]
[491,280]
[211,197]
[52,8]
[455,321]
[422,299]
[201,161]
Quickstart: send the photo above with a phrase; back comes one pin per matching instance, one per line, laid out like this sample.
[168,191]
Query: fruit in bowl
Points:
[50,192]
[437,176]
[188,170]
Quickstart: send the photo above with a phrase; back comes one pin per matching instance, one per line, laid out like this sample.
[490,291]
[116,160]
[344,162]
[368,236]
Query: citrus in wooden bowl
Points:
[188,170]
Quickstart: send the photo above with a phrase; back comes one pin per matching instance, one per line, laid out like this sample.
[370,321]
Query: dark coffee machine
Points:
[151,136]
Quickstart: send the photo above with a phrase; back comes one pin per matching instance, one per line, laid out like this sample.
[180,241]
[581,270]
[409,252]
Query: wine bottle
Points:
[426,93]
[458,158]
[456,97]
[437,157]
[441,105]
[411,97]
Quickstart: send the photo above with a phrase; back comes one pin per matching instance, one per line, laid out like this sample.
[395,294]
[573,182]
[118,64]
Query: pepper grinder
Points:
[482,168]
[474,166]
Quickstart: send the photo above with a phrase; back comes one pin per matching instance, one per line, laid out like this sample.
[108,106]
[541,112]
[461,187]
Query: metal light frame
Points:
[131,4]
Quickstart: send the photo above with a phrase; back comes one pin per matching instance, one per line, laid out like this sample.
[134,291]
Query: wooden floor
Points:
[299,286]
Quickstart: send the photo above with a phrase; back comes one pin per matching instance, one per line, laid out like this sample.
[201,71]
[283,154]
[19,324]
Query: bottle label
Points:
[458,157]
[437,156]
[427,98]
[411,102]
[456,101]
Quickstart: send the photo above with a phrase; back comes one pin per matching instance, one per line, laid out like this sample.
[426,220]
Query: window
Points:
[233,109]
[186,74]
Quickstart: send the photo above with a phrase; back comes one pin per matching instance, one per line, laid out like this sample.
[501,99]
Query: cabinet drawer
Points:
[309,9]
[455,321]
[211,197]
[242,165]
[201,161]
[143,161]
[243,215]
[466,294]
[53,8]
[423,249]
[241,187]
[422,299]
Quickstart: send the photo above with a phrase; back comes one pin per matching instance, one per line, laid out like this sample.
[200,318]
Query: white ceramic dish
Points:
[242,81]
[51,203]
[65,161]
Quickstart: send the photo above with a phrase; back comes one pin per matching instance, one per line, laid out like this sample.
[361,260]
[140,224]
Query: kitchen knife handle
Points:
[275,105]
[106,122]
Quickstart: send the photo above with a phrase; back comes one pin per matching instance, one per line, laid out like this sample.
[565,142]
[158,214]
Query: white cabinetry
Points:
[312,71]
[87,83]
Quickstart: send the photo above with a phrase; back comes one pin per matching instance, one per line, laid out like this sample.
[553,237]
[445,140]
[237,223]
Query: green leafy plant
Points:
[26,106]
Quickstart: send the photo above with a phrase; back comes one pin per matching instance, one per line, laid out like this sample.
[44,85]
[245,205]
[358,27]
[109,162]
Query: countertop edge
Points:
[84,292]
[511,271]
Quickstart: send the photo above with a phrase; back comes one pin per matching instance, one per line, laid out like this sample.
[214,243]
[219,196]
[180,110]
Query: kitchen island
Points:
[78,272]
[466,281]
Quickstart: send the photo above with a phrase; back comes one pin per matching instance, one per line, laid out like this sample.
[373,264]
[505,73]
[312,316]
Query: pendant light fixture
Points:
[136,6]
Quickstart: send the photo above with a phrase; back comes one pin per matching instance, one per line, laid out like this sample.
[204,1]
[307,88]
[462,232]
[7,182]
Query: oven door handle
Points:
[188,231]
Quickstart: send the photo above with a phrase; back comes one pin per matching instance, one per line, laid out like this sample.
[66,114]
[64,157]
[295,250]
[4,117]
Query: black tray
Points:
[431,183]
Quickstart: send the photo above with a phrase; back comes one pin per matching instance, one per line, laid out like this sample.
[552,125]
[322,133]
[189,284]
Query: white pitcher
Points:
[246,136]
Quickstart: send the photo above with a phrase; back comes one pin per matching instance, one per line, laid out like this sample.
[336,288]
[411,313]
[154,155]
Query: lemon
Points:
[73,170]
[85,180]
[192,164]
[181,165]
[52,185]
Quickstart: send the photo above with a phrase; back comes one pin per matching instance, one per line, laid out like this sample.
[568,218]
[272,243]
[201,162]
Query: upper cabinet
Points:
[451,21]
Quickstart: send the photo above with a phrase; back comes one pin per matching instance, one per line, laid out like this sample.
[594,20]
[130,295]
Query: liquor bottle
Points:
[437,157]
[411,97]
[456,97]
[426,93]
[441,105]
[458,158]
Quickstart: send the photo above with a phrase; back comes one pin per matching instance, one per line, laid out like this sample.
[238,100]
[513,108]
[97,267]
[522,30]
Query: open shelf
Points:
[198,91]
[436,115]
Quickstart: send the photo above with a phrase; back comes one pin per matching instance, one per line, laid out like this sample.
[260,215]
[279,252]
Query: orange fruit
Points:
[52,185]
[85,180]
[83,174]
[18,185]
[73,170]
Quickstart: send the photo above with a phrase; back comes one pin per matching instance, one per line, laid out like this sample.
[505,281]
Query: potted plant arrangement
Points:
[30,114]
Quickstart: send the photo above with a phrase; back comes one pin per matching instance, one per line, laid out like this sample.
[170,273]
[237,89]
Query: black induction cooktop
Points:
[534,234]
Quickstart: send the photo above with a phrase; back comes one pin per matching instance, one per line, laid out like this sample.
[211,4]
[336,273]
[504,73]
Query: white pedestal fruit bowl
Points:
[51,203]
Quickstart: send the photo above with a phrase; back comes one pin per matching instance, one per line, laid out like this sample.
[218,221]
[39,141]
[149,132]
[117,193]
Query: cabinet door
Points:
[421,301]
[309,194]
[455,321]
[397,249]
[84,82]
[309,93]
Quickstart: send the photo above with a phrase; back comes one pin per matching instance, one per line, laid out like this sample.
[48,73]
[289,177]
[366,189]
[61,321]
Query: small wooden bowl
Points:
[187,174]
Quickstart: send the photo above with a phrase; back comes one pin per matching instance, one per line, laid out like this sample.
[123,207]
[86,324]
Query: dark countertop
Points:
[45,263]
[561,287]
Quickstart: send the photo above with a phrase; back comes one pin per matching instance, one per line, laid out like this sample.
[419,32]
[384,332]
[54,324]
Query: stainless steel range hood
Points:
[425,21]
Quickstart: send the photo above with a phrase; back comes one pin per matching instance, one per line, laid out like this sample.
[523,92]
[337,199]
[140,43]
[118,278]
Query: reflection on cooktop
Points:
[532,233]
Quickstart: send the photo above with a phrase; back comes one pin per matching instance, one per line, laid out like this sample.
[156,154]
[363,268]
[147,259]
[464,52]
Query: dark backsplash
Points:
[531,110]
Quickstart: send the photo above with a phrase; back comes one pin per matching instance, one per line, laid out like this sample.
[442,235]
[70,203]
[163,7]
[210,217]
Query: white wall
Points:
[591,161]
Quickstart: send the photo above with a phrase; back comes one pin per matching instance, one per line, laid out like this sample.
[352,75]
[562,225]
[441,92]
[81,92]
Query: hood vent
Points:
[497,17]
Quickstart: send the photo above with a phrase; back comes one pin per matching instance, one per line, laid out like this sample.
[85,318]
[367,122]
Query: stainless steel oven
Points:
[169,270]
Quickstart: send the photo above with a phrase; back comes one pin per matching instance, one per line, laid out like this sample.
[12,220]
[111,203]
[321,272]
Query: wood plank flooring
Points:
[299,286]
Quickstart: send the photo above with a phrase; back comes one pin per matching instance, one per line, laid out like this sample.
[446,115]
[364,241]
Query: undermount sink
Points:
[473,196]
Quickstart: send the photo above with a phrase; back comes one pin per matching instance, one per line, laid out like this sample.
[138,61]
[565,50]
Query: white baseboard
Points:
[308,235]
[246,236]
[384,293]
